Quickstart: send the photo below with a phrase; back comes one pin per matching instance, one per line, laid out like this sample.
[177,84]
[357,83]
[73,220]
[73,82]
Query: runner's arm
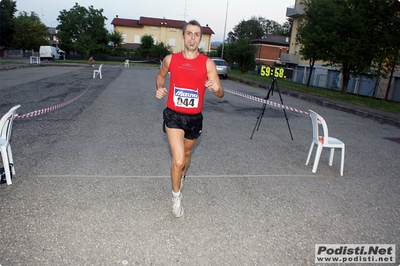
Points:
[213,83]
[161,76]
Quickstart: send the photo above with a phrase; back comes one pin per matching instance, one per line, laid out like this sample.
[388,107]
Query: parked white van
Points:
[49,53]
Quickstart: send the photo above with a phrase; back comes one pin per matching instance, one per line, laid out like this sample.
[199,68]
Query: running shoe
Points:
[177,209]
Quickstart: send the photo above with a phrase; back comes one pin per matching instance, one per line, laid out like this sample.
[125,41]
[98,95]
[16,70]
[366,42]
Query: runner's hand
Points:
[212,86]
[160,92]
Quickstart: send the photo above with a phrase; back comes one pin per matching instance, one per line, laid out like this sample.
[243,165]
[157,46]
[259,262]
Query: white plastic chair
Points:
[6,124]
[98,72]
[127,63]
[323,141]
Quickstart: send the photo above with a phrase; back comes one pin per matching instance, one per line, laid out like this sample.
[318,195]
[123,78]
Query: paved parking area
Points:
[93,188]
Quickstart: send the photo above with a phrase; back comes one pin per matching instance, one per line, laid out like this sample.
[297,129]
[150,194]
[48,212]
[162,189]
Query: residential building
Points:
[168,31]
[270,49]
[331,77]
[53,40]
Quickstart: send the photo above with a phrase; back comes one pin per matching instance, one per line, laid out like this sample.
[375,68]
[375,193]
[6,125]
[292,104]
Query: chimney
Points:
[287,39]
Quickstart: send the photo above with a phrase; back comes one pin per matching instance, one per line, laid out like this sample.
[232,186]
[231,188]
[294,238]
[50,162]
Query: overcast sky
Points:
[211,12]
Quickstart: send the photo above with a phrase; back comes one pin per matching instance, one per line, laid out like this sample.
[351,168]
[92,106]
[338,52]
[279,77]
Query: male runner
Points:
[190,74]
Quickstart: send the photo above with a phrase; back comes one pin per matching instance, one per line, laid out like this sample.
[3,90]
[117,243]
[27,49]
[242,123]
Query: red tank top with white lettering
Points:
[187,83]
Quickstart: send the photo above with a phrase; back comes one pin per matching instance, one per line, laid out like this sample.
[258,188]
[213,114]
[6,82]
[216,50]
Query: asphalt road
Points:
[93,186]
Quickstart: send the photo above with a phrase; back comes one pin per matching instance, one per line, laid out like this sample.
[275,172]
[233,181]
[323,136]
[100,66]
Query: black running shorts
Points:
[191,124]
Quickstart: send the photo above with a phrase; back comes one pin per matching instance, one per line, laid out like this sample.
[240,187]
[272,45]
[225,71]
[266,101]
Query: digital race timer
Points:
[276,72]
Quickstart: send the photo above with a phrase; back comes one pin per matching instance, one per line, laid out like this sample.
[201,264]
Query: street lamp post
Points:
[223,40]
[52,33]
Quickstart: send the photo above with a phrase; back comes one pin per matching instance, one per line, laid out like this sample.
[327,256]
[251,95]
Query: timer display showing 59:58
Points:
[276,72]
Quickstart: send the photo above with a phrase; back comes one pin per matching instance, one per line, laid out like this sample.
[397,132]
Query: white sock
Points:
[175,195]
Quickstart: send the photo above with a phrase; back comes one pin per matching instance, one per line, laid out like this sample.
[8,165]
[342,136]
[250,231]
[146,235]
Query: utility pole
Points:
[223,40]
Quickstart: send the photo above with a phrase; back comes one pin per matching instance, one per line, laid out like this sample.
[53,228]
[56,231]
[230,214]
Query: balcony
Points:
[290,58]
[295,11]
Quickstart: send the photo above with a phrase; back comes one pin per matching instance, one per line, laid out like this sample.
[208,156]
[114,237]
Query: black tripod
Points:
[259,118]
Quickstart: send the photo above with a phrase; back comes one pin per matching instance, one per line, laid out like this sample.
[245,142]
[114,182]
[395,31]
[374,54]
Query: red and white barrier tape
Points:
[261,100]
[52,108]
[241,94]
[57,106]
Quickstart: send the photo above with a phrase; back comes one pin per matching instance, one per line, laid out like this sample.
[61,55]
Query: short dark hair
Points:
[194,23]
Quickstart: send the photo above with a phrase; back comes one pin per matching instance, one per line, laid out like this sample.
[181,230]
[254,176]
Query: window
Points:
[297,48]
[171,42]
[137,39]
[124,38]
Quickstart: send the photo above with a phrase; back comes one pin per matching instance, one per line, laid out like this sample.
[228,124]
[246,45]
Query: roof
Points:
[126,22]
[146,21]
[273,39]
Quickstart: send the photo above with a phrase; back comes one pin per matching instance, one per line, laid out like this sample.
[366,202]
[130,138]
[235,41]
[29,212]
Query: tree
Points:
[7,22]
[347,34]
[393,60]
[309,52]
[239,49]
[257,28]
[241,52]
[250,29]
[82,30]
[160,50]
[146,43]
[116,38]
[287,27]
[388,48]
[215,53]
[30,32]
[271,27]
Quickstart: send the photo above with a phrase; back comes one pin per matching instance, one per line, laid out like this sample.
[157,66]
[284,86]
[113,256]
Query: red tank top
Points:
[187,83]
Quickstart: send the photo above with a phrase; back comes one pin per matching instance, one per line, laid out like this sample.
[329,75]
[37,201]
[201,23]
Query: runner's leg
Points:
[176,142]
[188,143]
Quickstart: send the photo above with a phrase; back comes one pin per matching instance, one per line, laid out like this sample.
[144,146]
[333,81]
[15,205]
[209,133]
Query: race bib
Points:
[186,98]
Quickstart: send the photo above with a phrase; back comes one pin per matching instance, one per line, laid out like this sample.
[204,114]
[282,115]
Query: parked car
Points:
[49,53]
[222,67]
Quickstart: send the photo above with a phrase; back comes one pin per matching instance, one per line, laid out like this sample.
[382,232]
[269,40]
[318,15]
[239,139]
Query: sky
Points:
[211,12]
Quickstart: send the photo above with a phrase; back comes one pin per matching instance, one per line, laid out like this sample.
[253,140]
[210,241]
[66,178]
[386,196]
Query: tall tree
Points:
[346,34]
[271,27]
[247,29]
[239,49]
[30,32]
[7,22]
[311,40]
[146,43]
[82,30]
[387,18]
[287,27]
[160,50]
[116,37]
[241,52]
